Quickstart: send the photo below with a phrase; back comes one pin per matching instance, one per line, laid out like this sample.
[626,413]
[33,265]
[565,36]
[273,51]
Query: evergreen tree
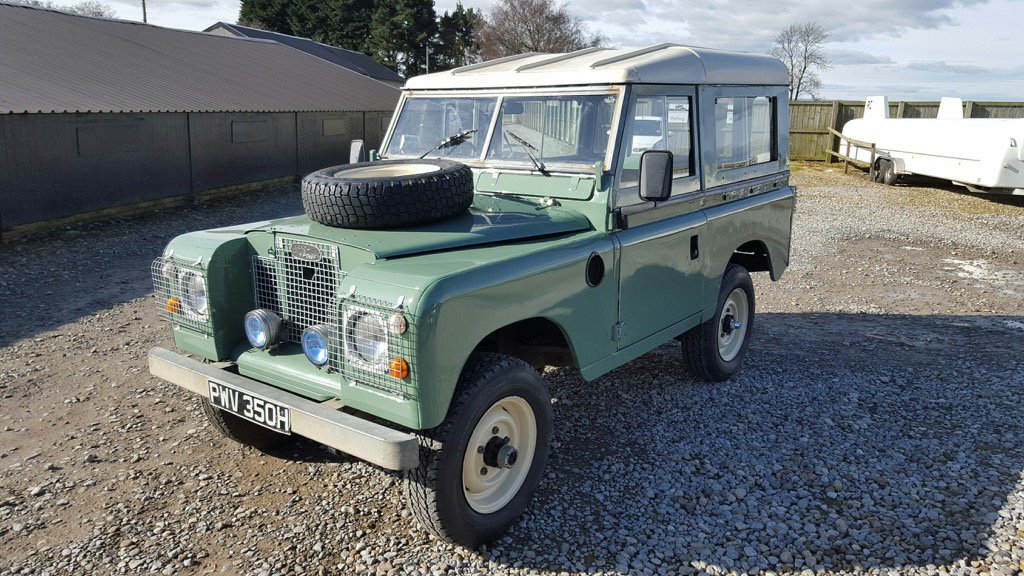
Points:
[266,14]
[386,27]
[309,19]
[420,34]
[456,45]
[349,23]
[398,33]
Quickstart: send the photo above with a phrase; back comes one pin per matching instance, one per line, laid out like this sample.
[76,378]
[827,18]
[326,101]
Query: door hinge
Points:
[617,331]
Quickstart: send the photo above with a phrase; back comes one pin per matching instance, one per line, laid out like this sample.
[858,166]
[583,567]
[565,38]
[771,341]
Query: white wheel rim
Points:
[732,325]
[388,171]
[489,488]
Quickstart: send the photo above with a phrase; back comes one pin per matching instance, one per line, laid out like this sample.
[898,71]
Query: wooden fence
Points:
[810,120]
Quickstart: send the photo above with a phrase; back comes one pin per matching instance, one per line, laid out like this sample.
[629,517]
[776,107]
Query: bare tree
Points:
[800,48]
[517,26]
[93,8]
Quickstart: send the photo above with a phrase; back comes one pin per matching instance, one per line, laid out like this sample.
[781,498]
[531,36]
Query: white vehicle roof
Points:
[658,64]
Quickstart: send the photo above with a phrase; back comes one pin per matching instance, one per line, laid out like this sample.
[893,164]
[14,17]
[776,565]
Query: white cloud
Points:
[946,68]
[843,56]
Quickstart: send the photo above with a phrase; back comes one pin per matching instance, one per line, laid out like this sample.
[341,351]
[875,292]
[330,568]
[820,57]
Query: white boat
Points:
[983,154]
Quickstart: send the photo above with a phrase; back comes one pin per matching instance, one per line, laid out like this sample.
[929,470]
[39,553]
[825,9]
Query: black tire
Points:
[874,172]
[435,491]
[243,431]
[392,201]
[701,355]
[889,176]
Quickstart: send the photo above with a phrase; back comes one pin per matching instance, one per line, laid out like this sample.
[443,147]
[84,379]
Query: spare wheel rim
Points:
[489,488]
[388,171]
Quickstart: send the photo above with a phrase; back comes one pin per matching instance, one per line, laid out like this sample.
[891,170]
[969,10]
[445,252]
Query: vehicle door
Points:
[660,272]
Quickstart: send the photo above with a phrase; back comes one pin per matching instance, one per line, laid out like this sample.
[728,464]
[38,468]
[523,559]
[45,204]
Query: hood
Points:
[491,219]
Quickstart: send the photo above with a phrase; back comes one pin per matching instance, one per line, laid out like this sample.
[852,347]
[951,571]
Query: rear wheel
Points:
[479,469]
[243,431]
[714,350]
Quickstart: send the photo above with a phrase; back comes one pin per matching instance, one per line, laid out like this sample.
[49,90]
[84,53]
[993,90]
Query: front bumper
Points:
[319,421]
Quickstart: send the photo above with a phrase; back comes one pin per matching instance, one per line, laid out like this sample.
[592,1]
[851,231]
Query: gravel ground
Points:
[875,429]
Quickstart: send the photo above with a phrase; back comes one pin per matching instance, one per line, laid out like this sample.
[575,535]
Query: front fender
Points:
[457,312]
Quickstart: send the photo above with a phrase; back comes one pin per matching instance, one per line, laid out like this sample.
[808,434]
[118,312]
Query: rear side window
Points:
[658,123]
[743,131]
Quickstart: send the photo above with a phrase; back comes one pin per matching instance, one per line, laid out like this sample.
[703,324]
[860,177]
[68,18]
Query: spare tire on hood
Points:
[388,194]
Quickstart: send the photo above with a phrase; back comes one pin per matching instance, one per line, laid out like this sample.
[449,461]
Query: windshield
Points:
[553,129]
[425,122]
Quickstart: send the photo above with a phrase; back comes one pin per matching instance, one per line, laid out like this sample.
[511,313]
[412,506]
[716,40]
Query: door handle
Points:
[694,247]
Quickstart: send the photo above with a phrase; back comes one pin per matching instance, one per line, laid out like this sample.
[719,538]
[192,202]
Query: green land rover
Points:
[572,209]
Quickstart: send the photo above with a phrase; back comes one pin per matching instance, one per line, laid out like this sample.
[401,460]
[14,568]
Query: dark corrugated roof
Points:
[349,59]
[57,62]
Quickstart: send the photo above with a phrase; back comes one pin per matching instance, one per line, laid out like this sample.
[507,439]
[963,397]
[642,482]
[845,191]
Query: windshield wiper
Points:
[451,141]
[526,148]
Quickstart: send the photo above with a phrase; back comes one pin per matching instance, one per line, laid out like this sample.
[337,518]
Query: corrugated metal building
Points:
[352,60]
[97,114]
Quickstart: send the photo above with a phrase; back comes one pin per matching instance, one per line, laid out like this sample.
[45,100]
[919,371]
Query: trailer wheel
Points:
[874,172]
[889,176]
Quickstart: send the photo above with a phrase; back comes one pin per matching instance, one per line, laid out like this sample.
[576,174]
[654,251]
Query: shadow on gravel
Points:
[929,182]
[47,281]
[848,441]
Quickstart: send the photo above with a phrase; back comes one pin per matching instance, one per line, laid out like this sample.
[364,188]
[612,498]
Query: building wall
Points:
[324,138]
[230,149]
[59,165]
[55,166]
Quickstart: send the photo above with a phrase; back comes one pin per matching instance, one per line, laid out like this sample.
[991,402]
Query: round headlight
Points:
[262,328]
[367,338]
[168,270]
[193,290]
[397,323]
[315,344]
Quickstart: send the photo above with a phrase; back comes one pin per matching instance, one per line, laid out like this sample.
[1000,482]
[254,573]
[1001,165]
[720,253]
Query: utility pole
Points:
[144,20]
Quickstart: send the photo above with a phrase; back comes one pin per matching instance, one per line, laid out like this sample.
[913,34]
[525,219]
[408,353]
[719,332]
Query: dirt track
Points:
[876,426]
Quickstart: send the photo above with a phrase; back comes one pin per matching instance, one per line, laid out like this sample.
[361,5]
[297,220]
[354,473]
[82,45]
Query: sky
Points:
[904,49]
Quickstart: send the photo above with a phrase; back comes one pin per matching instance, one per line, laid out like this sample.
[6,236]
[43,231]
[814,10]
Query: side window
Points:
[743,131]
[657,123]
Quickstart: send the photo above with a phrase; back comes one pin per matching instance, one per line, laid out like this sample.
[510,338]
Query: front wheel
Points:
[715,349]
[243,431]
[479,469]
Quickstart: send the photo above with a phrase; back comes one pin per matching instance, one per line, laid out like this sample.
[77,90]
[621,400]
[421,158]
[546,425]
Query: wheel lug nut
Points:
[483,471]
[479,449]
[494,430]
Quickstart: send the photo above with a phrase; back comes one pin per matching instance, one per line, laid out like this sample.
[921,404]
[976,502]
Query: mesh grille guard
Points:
[304,292]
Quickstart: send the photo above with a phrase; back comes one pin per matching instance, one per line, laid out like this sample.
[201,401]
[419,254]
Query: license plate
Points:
[252,408]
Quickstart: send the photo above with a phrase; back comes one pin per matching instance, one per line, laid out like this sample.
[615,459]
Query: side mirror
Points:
[357,153]
[656,175]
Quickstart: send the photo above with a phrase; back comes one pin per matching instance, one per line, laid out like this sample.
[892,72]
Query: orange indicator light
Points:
[399,368]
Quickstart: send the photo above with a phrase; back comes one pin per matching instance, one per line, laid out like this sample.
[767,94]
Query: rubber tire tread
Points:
[889,176]
[700,345]
[421,483]
[242,431]
[387,202]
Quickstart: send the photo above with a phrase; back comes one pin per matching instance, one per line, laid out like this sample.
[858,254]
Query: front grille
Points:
[301,292]
[305,294]
[169,277]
